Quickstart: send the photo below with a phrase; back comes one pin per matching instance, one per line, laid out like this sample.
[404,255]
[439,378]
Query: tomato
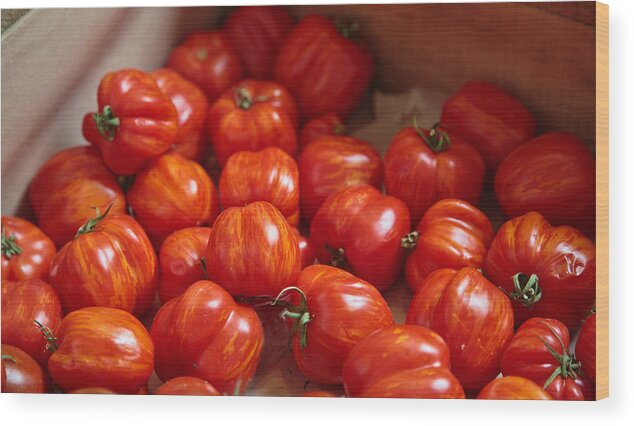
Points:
[547,271]
[451,234]
[323,125]
[93,391]
[268,175]
[251,116]
[489,118]
[253,251]
[473,316]
[401,361]
[307,250]
[553,174]
[170,194]
[101,347]
[204,333]
[513,387]
[136,121]
[68,187]
[191,106]
[586,348]
[187,385]
[331,163]
[26,250]
[423,166]
[360,230]
[110,263]
[539,352]
[331,310]
[21,373]
[319,394]
[323,67]
[257,32]
[24,302]
[180,261]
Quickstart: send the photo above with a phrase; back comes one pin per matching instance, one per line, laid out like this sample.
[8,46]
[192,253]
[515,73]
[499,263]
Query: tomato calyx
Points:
[9,247]
[8,358]
[107,123]
[244,99]
[526,289]
[299,313]
[346,27]
[51,340]
[410,240]
[338,256]
[436,139]
[88,226]
[568,365]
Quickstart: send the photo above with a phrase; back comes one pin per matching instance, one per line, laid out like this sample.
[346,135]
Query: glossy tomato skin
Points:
[319,394]
[489,118]
[423,166]
[136,121]
[513,387]
[380,363]
[225,351]
[451,234]
[187,385]
[331,163]
[21,373]
[102,347]
[267,175]
[586,347]
[26,250]
[325,71]
[323,125]
[180,260]
[562,259]
[360,229]
[24,302]
[253,251]
[257,32]
[93,391]
[343,310]
[473,316]
[68,187]
[191,106]
[251,116]
[527,355]
[122,271]
[553,174]
[307,250]
[208,59]
[170,194]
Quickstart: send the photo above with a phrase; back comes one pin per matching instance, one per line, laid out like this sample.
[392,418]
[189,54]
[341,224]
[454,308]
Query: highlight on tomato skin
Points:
[187,385]
[21,373]
[513,387]
[26,250]
[307,250]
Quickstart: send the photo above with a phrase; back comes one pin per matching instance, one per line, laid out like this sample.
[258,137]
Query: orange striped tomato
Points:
[187,385]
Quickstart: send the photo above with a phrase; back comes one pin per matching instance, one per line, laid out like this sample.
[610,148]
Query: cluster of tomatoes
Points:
[134,220]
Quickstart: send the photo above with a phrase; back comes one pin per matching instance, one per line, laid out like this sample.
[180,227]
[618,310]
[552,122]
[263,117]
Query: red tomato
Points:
[24,302]
[323,68]
[451,234]
[513,387]
[170,194]
[251,116]
[257,32]
[488,118]
[473,316]
[334,162]
[191,106]
[586,348]
[68,187]
[268,175]
[21,373]
[92,391]
[26,250]
[205,334]
[423,166]
[209,59]
[101,347]
[319,394]
[187,385]
[253,251]
[587,388]
[547,271]
[380,364]
[360,229]
[323,125]
[180,260]
[331,311]
[307,250]
[553,174]
[539,352]
[136,122]
[110,263]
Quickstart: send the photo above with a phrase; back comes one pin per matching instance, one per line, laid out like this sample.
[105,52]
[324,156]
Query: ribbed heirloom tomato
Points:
[204,333]
[401,361]
[423,166]
[513,387]
[360,229]
[136,121]
[547,271]
[307,250]
[586,348]
[187,385]
[26,250]
[21,373]
[323,125]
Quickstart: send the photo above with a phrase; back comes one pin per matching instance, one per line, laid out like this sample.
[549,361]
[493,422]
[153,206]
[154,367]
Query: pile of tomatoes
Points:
[133,222]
